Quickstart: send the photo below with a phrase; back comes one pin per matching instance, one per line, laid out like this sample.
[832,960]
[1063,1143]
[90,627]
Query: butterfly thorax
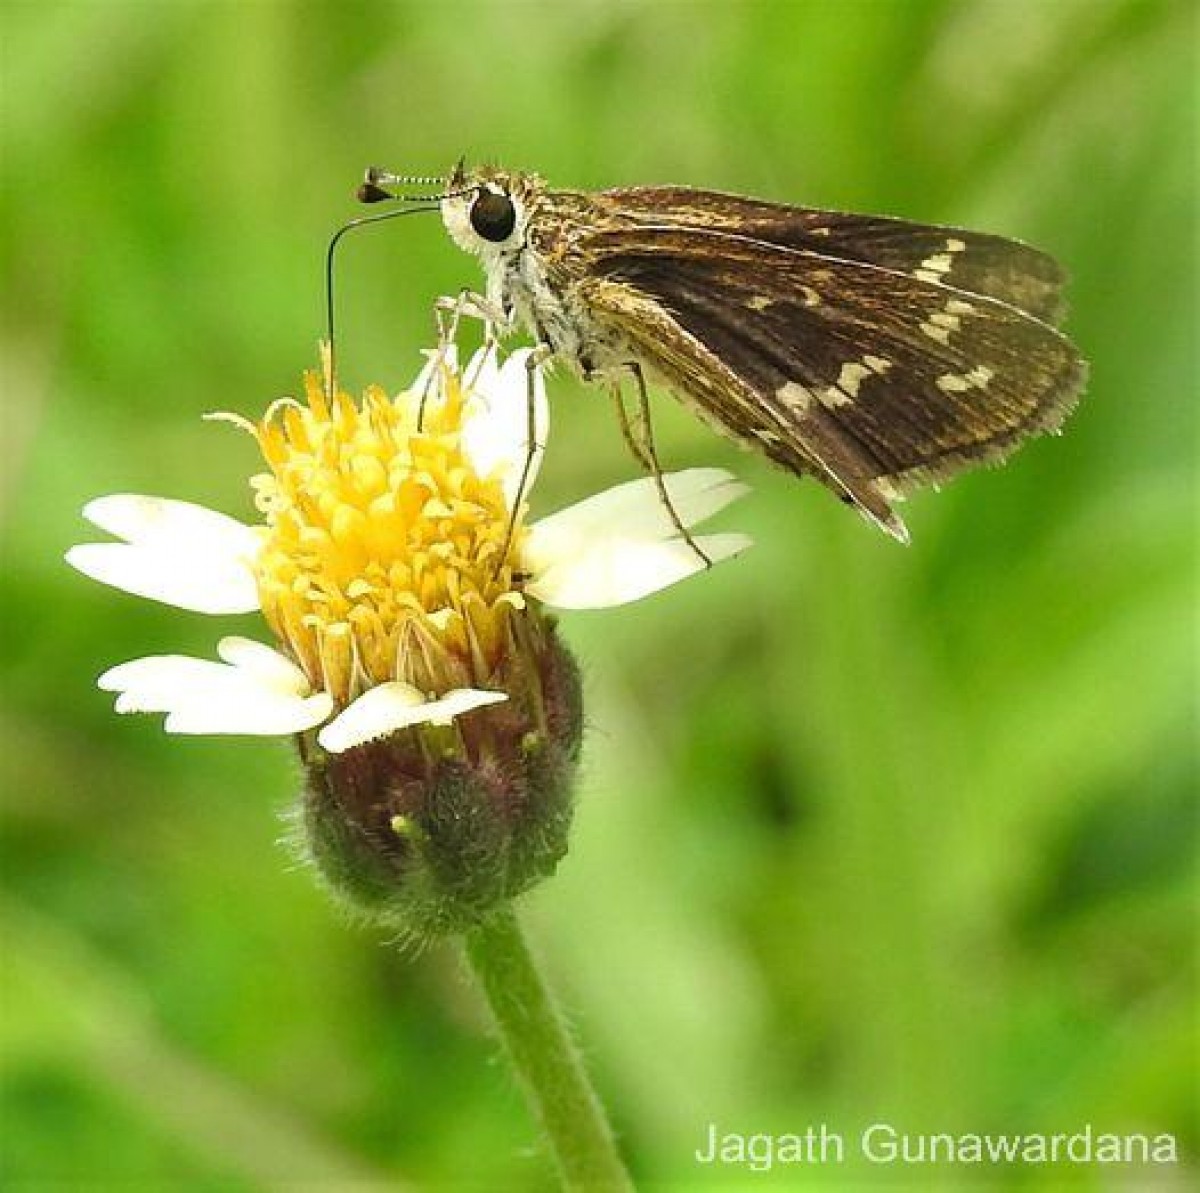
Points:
[542,285]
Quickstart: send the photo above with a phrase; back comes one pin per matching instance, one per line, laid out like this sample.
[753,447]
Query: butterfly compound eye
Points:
[493,216]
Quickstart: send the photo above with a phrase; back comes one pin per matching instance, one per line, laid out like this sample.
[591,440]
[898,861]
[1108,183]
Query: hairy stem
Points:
[544,1056]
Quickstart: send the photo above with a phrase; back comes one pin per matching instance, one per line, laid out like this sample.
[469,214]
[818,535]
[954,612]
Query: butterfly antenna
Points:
[376,188]
[379,186]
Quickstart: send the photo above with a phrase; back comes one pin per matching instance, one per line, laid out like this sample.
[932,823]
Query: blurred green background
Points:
[864,834]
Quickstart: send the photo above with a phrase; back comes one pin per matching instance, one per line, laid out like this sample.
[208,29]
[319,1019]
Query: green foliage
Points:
[864,833]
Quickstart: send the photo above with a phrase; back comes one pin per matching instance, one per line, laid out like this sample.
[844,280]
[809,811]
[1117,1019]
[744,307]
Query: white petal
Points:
[151,520]
[200,696]
[176,552]
[496,423]
[614,571]
[635,509]
[461,700]
[157,683]
[274,669]
[384,709]
[257,714]
[623,544]
[176,576]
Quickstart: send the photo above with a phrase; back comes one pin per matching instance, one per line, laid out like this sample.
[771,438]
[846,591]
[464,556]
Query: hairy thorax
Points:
[539,286]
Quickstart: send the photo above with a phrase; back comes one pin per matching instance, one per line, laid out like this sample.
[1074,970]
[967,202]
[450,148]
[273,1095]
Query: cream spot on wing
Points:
[811,297]
[795,397]
[851,375]
[759,302]
[941,323]
[953,383]
[850,378]
[831,397]
[957,383]
[935,267]
[765,436]
[938,263]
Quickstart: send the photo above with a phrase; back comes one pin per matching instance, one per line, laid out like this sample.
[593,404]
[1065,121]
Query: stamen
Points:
[381,540]
[236,420]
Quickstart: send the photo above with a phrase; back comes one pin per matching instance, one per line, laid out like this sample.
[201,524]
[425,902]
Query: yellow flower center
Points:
[382,553]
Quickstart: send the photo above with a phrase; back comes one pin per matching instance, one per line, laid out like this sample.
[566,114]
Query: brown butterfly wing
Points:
[872,380]
[993,266]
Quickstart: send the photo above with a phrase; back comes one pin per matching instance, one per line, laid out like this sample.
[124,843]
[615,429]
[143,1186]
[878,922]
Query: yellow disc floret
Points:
[383,551]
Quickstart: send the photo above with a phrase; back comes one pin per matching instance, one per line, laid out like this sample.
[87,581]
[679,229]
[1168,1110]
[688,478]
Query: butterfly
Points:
[874,354]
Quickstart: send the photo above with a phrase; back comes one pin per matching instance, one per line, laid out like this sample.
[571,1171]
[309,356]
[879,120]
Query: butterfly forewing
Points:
[872,379]
[976,261]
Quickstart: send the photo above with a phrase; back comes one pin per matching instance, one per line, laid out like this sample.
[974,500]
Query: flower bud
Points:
[430,827]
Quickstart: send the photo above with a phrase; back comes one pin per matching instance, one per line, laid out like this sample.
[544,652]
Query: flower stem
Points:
[545,1057]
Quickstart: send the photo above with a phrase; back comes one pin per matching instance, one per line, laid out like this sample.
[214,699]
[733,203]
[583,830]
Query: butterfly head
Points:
[486,210]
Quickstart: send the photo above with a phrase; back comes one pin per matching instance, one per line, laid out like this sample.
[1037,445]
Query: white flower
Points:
[381,561]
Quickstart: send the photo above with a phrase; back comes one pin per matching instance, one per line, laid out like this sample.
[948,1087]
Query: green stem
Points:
[545,1057]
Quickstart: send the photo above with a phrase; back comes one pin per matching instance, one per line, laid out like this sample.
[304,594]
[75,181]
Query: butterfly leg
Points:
[448,315]
[533,362]
[646,453]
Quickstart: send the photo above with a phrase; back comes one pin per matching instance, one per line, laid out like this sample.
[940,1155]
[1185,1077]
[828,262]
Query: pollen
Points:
[385,555]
